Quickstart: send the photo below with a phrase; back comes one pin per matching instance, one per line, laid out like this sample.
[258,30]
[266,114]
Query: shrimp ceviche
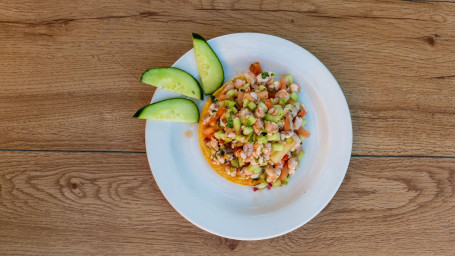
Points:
[251,129]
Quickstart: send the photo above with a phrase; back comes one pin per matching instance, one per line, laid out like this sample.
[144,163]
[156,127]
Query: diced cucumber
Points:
[230,103]
[303,121]
[245,102]
[277,147]
[252,105]
[300,155]
[221,103]
[273,137]
[271,118]
[173,79]
[263,106]
[283,101]
[262,185]
[246,86]
[262,87]
[240,138]
[289,79]
[219,134]
[247,130]
[289,140]
[178,110]
[241,162]
[230,93]
[253,168]
[234,111]
[294,96]
[208,64]
[235,162]
[250,121]
[262,176]
[237,124]
[262,139]
[277,183]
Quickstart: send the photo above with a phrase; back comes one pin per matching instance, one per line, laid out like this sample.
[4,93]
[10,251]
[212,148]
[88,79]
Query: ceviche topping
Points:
[255,127]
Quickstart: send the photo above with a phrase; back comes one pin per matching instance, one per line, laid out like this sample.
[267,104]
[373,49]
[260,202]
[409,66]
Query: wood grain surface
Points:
[74,177]
[70,71]
[99,204]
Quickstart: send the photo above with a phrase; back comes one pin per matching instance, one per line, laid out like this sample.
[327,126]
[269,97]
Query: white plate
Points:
[226,209]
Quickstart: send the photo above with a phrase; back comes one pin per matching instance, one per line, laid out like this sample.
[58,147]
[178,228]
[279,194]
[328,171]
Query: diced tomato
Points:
[268,103]
[284,172]
[285,157]
[207,132]
[283,83]
[220,112]
[304,133]
[222,97]
[302,112]
[287,123]
[255,68]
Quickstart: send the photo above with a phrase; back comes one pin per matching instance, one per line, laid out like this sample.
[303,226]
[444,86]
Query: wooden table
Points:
[74,178]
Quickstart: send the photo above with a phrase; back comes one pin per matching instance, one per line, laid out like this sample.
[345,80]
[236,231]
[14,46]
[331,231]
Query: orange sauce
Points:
[188,134]
[206,150]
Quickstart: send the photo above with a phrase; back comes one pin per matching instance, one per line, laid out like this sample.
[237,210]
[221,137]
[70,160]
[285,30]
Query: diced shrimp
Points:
[239,83]
[271,127]
[206,120]
[245,113]
[231,171]
[297,123]
[230,133]
[282,94]
[259,112]
[248,149]
[213,108]
[264,80]
[296,139]
[257,149]
[272,111]
[263,94]
[240,96]
[285,135]
[252,96]
[228,87]
[258,125]
[298,149]
[272,174]
[294,87]
[250,78]
[237,153]
[213,143]
[275,85]
[292,165]
[222,123]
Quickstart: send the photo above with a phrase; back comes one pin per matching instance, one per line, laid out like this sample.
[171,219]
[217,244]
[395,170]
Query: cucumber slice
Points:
[178,110]
[208,64]
[173,79]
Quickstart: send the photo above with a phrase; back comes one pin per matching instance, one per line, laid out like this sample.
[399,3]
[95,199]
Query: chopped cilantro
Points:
[287,86]
[264,75]
[242,90]
[251,139]
[273,74]
[213,98]
[230,123]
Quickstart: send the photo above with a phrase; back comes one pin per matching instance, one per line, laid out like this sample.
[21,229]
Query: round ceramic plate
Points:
[234,211]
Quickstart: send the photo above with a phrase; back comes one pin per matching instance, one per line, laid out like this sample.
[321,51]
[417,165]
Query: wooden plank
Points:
[94,204]
[70,72]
